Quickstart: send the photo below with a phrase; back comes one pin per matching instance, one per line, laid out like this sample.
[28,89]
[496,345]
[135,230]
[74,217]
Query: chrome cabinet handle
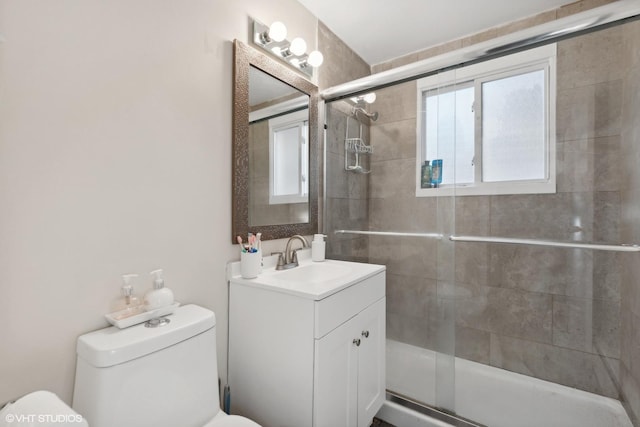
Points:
[365,334]
[357,342]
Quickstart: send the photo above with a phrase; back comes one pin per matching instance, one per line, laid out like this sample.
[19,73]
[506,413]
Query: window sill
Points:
[488,189]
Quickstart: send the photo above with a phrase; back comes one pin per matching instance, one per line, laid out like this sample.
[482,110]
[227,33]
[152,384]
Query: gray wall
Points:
[346,192]
[549,313]
[347,201]
[568,307]
[630,224]
[568,316]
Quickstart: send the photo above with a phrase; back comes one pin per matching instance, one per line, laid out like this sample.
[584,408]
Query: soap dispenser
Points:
[318,247]
[130,304]
[159,296]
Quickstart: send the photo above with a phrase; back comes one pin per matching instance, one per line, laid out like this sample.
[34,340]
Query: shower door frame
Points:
[591,20]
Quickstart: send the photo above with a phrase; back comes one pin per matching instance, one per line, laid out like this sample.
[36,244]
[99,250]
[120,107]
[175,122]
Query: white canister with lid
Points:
[318,247]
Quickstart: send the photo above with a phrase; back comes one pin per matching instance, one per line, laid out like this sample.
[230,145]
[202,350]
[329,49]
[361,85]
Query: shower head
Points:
[372,116]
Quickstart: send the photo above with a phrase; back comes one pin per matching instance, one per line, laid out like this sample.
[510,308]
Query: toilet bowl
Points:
[153,377]
[224,420]
[42,409]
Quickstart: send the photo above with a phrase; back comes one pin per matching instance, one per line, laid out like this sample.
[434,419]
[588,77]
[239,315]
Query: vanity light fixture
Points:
[315,58]
[276,32]
[273,39]
[298,46]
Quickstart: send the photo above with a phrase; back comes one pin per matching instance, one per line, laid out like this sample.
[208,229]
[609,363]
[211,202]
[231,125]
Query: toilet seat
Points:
[43,408]
[224,420]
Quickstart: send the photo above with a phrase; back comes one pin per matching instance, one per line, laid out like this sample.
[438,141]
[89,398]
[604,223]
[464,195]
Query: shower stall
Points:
[512,286]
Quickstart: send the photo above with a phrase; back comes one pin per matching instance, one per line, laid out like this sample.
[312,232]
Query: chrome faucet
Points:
[290,256]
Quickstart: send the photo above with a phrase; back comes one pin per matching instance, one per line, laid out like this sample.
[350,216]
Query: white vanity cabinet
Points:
[309,352]
[349,370]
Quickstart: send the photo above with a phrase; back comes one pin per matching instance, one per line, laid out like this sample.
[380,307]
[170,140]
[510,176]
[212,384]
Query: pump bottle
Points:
[159,296]
[318,247]
[129,304]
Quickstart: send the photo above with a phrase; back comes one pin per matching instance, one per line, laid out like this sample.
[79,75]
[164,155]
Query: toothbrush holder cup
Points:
[250,264]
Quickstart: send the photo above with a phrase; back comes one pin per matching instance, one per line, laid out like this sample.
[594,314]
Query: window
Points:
[492,124]
[289,158]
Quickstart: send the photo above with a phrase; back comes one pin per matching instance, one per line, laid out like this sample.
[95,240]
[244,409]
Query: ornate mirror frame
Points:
[245,57]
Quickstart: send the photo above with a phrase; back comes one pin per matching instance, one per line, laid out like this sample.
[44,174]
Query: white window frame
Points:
[300,120]
[543,57]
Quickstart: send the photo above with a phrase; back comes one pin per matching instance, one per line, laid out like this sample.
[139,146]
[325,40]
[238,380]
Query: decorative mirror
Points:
[275,148]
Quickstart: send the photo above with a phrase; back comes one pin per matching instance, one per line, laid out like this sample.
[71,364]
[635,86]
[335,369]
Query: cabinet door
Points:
[335,378]
[371,362]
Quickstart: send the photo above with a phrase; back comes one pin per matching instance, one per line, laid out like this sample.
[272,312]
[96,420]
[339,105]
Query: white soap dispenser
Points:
[159,296]
[318,247]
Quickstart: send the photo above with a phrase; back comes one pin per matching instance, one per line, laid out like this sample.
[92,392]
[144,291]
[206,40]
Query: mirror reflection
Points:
[275,148]
[278,152]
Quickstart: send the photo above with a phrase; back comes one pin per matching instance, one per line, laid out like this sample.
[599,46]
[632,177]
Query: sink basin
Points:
[312,280]
[313,273]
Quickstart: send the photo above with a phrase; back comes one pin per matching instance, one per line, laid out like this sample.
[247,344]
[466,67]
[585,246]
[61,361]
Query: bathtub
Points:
[492,396]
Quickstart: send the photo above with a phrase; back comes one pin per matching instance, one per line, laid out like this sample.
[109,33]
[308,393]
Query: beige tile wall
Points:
[546,304]
[630,224]
[347,201]
[516,308]
[341,63]
[347,193]
[555,314]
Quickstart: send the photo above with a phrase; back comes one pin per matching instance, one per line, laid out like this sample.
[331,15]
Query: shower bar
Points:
[509,240]
[549,243]
[547,32]
[436,236]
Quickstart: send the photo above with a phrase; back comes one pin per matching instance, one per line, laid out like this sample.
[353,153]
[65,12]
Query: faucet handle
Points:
[280,263]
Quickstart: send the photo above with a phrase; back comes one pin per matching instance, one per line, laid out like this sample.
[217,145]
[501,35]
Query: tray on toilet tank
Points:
[140,318]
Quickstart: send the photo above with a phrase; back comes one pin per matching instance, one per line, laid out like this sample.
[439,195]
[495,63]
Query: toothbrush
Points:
[239,240]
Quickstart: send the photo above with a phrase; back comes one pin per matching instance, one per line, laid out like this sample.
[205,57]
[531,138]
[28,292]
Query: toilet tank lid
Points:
[112,346]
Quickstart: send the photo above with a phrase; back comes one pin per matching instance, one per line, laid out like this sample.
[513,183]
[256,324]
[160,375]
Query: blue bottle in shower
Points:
[436,172]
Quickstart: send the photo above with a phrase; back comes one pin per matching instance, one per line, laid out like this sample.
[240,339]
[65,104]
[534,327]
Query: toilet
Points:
[163,376]
[40,408]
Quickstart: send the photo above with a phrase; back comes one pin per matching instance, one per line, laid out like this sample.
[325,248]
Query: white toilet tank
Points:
[150,377]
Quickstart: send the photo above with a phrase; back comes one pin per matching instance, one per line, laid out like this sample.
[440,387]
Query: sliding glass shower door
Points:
[374,215]
[507,280]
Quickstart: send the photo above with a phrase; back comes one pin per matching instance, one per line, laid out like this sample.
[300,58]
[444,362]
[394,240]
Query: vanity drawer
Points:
[336,309]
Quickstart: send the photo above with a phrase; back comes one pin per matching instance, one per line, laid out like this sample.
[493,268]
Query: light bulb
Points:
[369,98]
[295,62]
[298,46]
[277,31]
[315,59]
[276,50]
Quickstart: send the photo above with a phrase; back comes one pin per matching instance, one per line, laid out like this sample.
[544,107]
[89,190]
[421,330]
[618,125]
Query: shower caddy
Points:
[356,146]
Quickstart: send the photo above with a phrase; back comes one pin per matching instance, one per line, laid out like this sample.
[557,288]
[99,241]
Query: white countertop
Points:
[312,280]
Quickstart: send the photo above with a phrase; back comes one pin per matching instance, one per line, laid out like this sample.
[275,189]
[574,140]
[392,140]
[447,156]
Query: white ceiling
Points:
[380,30]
